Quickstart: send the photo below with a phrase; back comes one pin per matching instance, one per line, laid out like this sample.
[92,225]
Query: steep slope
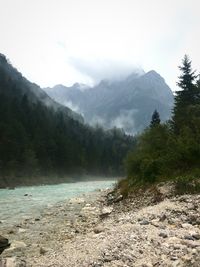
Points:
[126,104]
[18,86]
[41,138]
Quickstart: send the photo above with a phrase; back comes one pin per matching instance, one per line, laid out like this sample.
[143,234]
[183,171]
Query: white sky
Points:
[67,41]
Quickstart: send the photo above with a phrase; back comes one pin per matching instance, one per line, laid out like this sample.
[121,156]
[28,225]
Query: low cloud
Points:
[98,70]
[97,120]
[126,121]
[73,107]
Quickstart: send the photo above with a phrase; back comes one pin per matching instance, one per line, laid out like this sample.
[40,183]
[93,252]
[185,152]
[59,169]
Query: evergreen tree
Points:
[155,119]
[187,78]
[164,153]
[189,95]
[198,82]
[39,141]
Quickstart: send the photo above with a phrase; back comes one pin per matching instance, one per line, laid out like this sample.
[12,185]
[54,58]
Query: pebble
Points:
[43,251]
[186,225]
[12,262]
[106,210]
[188,237]
[174,258]
[196,236]
[76,235]
[144,222]
[164,235]
[21,230]
[163,218]
[98,229]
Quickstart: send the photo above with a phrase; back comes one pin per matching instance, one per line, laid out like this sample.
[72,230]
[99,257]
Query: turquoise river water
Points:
[26,202]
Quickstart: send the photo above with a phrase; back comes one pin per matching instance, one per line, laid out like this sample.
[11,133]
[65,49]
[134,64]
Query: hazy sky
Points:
[67,41]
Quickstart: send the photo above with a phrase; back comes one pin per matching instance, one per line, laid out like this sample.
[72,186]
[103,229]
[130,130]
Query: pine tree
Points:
[187,78]
[198,82]
[155,119]
[185,97]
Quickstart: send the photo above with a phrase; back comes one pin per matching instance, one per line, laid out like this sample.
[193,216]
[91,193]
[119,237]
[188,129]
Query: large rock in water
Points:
[4,243]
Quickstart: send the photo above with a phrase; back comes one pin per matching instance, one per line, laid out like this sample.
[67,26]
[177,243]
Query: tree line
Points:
[36,141]
[170,150]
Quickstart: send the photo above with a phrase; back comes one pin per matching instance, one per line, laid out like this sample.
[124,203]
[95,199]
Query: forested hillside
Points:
[170,150]
[40,138]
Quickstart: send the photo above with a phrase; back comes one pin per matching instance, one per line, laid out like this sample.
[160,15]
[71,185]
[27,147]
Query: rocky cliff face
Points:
[127,104]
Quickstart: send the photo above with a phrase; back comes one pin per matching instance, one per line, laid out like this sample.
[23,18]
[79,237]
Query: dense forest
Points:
[39,141]
[170,150]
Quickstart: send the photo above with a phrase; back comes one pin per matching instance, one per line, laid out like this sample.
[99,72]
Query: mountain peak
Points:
[80,86]
[77,85]
[153,73]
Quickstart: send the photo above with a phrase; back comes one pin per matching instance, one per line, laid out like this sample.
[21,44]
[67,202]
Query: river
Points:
[24,202]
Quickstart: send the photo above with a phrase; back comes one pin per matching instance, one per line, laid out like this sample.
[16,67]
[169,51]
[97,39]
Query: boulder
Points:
[4,243]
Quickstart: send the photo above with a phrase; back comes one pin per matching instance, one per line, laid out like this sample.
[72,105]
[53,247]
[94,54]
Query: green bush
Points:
[187,185]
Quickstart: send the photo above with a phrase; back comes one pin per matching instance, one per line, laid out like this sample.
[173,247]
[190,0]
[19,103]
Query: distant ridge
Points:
[127,104]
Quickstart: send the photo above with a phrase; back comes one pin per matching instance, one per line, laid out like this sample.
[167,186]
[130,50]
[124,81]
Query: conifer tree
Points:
[155,119]
[187,96]
[187,78]
[198,82]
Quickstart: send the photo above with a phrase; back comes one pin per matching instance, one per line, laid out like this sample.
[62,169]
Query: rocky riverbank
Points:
[102,230]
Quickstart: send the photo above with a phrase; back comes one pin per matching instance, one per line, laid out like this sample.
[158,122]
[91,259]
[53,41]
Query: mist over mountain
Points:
[42,141]
[127,104]
[20,86]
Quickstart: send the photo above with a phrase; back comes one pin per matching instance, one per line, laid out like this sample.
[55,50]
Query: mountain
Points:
[42,141]
[126,104]
[18,86]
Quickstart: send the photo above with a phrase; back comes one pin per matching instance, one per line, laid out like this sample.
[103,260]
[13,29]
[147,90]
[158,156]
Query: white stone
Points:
[106,210]
[16,245]
[21,230]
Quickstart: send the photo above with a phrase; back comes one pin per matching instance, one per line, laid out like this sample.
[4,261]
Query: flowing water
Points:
[24,202]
